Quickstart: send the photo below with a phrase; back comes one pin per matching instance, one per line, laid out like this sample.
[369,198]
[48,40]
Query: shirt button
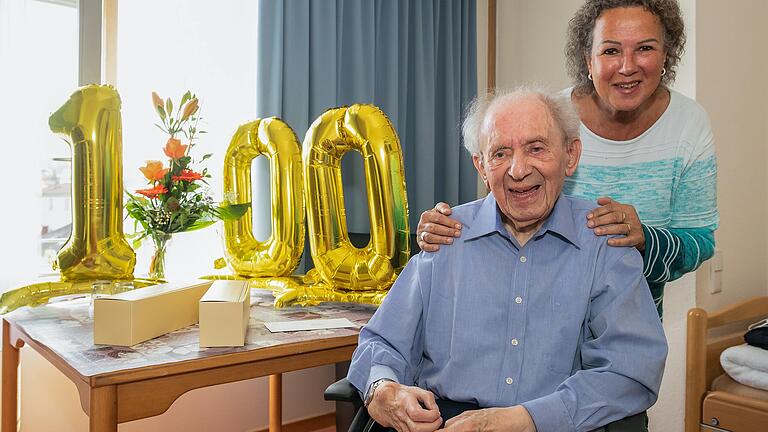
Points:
[515,342]
[509,380]
[523,259]
[518,300]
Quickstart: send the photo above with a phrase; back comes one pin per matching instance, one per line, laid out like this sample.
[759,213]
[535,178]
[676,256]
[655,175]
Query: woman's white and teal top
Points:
[669,175]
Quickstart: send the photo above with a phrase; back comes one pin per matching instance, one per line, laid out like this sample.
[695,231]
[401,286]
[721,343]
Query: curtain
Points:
[414,59]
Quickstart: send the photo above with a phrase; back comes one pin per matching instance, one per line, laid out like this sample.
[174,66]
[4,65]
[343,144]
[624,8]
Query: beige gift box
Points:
[224,313]
[132,317]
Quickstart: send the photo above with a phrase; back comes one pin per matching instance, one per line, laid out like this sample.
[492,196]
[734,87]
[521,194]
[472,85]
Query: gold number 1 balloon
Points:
[280,253]
[90,122]
[363,128]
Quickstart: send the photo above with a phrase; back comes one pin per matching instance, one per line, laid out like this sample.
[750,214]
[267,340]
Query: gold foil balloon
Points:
[298,291]
[280,253]
[40,292]
[342,272]
[90,122]
[363,128]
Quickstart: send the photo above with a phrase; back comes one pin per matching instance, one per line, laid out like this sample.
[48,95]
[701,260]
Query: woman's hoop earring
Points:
[589,76]
[663,71]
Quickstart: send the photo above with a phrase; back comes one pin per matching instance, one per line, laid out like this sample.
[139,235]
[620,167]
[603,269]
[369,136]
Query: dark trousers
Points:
[450,409]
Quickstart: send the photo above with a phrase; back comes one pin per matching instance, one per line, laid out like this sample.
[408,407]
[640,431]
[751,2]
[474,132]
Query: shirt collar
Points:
[560,221]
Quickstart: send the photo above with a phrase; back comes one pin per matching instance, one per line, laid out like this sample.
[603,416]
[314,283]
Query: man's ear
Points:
[477,160]
[573,149]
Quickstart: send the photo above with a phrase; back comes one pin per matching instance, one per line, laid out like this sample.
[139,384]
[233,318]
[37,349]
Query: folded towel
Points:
[746,364]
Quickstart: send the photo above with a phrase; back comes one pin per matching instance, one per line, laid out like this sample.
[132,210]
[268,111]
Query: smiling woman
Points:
[649,159]
[626,66]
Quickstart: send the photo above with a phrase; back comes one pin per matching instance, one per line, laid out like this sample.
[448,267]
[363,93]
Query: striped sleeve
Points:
[672,252]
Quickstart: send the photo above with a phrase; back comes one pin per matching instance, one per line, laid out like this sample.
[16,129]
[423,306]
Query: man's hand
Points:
[514,419]
[407,409]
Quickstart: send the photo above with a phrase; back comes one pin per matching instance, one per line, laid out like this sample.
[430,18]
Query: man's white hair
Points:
[559,105]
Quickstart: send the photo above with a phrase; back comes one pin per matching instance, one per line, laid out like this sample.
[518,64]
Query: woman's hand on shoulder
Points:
[436,228]
[615,218]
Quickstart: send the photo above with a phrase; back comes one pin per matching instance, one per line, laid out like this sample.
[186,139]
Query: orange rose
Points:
[174,149]
[153,170]
[153,192]
[188,175]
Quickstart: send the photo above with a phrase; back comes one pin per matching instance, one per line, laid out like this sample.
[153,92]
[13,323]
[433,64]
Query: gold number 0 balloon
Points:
[90,121]
[280,254]
[366,129]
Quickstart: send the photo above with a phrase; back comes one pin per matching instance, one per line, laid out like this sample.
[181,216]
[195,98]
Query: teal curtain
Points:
[415,59]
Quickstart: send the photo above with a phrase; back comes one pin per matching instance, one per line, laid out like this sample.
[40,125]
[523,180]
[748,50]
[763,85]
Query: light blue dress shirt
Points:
[564,325]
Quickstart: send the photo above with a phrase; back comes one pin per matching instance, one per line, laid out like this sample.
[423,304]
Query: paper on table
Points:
[315,324]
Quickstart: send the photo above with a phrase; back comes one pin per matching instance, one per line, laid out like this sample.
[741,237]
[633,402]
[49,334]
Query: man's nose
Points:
[628,63]
[519,167]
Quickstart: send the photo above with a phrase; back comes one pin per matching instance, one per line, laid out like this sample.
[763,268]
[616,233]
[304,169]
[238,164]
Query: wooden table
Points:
[120,384]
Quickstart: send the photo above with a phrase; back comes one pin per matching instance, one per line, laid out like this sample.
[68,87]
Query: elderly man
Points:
[528,315]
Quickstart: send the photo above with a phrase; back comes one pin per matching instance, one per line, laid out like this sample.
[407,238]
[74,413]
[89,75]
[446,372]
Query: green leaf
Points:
[200,224]
[187,96]
[137,238]
[160,111]
[206,156]
[169,105]
[233,211]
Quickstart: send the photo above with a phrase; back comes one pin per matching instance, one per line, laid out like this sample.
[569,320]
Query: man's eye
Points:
[537,149]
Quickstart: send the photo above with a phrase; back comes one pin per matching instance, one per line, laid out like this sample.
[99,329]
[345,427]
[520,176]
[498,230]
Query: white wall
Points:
[731,70]
[530,41]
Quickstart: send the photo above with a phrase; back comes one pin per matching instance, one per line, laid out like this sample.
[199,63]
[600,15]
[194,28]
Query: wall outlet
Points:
[716,272]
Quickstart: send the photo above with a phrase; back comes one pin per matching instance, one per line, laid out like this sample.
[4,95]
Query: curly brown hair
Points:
[582,25]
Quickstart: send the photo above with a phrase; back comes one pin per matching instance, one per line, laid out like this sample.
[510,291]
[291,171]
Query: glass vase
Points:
[157,264]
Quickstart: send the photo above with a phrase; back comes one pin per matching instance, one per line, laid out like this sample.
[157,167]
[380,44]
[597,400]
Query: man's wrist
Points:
[372,390]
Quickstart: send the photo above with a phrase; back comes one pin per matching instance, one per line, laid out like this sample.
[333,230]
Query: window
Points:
[39,57]
[170,47]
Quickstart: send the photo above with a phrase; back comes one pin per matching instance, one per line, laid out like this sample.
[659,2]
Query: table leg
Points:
[275,402]
[10,381]
[103,409]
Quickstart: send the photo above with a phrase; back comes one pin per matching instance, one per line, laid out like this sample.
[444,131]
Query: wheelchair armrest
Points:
[343,391]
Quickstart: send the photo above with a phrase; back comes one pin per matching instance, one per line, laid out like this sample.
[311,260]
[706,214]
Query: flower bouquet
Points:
[176,200]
